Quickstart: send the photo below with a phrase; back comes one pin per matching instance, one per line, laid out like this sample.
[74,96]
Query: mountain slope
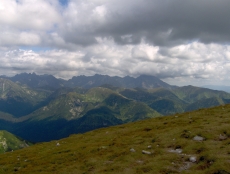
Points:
[9,142]
[161,100]
[194,142]
[19,100]
[192,93]
[71,112]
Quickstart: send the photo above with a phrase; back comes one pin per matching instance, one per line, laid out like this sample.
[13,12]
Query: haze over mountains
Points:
[42,107]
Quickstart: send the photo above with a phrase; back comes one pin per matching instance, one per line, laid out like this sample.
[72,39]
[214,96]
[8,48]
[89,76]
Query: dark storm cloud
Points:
[168,22]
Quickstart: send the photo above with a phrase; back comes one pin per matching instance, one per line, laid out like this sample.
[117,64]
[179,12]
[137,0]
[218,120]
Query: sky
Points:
[181,42]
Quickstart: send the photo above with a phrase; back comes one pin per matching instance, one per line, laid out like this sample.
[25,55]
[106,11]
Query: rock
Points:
[132,150]
[222,137]
[192,159]
[58,144]
[149,147]
[179,150]
[198,138]
[103,147]
[146,152]
[176,150]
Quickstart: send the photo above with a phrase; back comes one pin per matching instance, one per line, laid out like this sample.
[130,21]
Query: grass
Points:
[107,150]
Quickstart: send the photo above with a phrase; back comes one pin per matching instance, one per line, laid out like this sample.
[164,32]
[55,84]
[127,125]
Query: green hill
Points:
[74,111]
[9,142]
[194,142]
[193,94]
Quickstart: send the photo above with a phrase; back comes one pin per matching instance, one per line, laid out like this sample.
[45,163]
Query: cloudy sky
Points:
[181,42]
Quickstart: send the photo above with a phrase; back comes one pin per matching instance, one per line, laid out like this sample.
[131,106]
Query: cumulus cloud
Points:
[179,41]
[109,58]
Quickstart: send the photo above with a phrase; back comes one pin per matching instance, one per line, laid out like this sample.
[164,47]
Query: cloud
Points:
[173,39]
[109,58]
[160,23]
[26,22]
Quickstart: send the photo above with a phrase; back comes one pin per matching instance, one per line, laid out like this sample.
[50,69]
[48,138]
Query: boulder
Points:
[132,150]
[192,159]
[198,138]
[222,137]
[146,152]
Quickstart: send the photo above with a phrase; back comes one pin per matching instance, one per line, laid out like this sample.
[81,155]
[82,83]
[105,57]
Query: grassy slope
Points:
[10,142]
[107,150]
[193,94]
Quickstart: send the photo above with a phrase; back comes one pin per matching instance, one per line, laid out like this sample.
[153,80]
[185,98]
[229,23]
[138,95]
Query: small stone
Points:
[132,150]
[192,159]
[198,138]
[176,150]
[222,137]
[149,147]
[179,150]
[58,144]
[103,147]
[146,152]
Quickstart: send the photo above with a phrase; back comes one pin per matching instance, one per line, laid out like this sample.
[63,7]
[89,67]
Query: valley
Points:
[50,113]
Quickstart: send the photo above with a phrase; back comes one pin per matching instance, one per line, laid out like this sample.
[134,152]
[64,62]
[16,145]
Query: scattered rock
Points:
[175,150]
[198,138]
[103,147]
[108,162]
[222,137]
[139,161]
[149,147]
[192,159]
[186,166]
[132,150]
[146,152]
[58,144]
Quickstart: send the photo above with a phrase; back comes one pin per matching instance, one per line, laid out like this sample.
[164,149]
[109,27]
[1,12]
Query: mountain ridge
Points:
[50,82]
[53,114]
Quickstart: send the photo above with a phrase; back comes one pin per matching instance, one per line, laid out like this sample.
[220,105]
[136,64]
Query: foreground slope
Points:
[194,142]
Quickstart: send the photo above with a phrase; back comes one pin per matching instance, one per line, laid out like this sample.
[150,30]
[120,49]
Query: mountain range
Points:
[43,108]
[33,80]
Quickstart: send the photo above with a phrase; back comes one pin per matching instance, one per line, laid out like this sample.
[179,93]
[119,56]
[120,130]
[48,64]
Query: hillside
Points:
[9,142]
[76,113]
[194,142]
[19,100]
[50,115]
